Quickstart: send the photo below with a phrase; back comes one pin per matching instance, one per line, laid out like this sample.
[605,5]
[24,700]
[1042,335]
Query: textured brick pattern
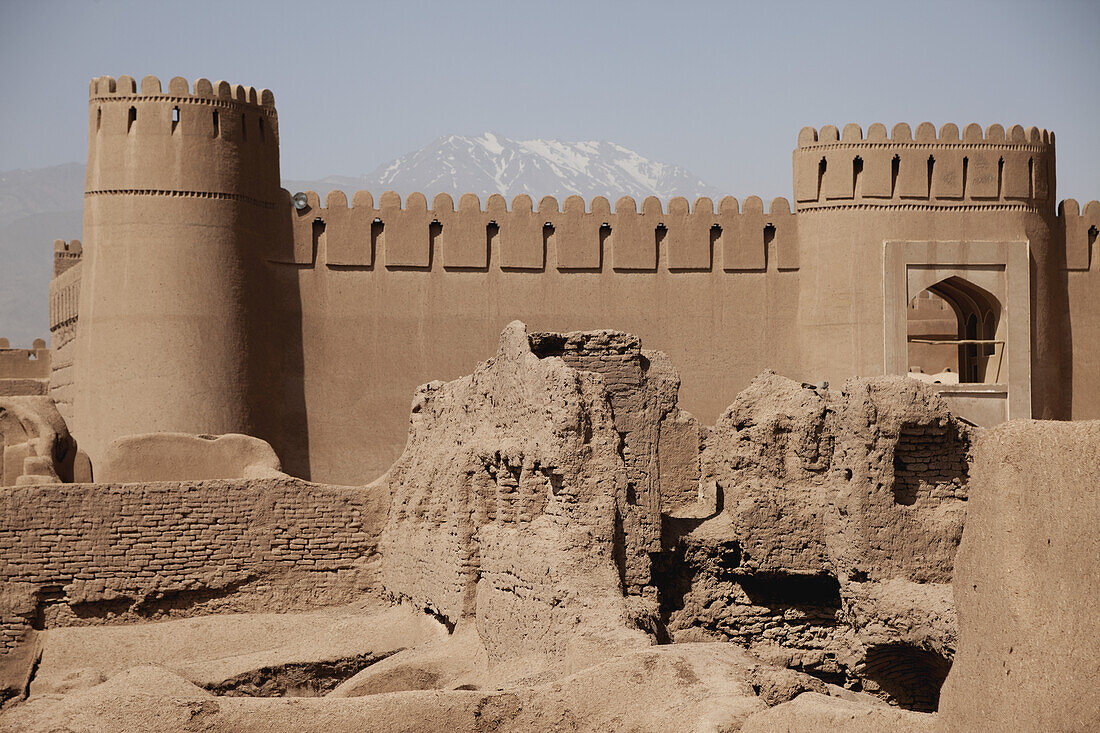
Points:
[122,546]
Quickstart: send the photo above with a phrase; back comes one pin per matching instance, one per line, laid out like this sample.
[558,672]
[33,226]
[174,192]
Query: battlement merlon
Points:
[1080,228]
[106,88]
[572,237]
[994,169]
[65,255]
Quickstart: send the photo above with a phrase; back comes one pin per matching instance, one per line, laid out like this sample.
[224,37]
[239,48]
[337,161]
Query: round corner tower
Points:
[182,187]
[969,216]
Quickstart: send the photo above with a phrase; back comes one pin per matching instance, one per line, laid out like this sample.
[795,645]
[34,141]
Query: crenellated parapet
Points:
[65,255]
[1081,227]
[922,169]
[571,237]
[202,140]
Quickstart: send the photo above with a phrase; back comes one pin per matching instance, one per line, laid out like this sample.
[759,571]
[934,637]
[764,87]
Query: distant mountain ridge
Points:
[491,163]
[39,206]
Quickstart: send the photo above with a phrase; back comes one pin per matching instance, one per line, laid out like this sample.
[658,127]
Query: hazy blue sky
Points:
[719,87]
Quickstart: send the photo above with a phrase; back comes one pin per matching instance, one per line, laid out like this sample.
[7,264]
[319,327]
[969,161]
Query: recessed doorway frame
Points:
[973,261]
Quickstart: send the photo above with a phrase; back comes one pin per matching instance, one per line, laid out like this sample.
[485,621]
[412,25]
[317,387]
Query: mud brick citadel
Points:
[204,301]
[241,429]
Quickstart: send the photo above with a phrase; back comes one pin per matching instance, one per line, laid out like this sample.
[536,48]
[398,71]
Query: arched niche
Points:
[955,333]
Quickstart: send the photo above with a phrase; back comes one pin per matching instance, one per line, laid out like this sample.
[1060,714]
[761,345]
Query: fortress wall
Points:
[699,238]
[75,553]
[401,316]
[64,301]
[1082,281]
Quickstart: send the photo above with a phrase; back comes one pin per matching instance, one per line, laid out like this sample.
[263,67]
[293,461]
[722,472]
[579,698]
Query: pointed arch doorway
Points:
[958,317]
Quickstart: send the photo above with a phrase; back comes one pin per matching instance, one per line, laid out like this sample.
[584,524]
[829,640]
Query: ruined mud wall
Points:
[1027,584]
[510,507]
[87,553]
[837,515]
[393,295]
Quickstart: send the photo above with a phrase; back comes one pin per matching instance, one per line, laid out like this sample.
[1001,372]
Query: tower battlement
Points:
[994,169]
[573,237]
[210,140]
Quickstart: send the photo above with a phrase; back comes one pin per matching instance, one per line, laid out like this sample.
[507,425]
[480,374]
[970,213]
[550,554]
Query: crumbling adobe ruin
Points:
[556,514]
[568,537]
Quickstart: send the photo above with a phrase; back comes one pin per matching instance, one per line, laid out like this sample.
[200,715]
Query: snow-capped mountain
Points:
[490,163]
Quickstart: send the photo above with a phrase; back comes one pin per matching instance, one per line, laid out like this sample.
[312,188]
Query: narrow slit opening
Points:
[131,119]
[215,120]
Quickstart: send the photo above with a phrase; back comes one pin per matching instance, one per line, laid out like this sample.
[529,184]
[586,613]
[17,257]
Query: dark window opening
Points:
[131,119]
[857,173]
[262,135]
[895,167]
[215,120]
[98,118]
[175,118]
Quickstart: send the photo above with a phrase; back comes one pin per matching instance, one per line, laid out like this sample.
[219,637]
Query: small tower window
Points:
[175,118]
[262,136]
[215,120]
[131,119]
[98,118]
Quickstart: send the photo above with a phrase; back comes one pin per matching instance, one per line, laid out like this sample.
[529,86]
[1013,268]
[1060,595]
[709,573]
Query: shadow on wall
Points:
[277,362]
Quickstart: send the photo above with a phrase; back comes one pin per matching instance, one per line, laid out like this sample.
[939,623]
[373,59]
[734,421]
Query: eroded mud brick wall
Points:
[1028,584]
[840,513]
[506,503]
[659,442]
[78,553]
